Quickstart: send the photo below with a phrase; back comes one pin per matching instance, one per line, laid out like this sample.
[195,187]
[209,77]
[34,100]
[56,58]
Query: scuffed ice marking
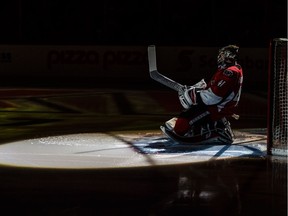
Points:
[78,140]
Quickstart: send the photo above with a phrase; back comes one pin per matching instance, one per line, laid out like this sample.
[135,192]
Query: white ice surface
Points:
[100,150]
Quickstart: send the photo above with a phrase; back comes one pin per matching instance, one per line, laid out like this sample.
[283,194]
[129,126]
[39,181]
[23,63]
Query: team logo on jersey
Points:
[228,73]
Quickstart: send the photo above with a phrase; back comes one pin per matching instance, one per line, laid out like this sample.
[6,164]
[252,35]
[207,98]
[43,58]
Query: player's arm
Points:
[222,85]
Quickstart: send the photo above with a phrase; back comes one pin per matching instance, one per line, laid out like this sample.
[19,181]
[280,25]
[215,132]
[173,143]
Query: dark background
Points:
[249,23]
[243,185]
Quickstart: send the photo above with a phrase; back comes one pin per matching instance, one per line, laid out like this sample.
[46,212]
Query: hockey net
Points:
[278,98]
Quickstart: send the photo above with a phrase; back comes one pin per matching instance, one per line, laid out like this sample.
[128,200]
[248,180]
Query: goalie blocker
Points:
[189,96]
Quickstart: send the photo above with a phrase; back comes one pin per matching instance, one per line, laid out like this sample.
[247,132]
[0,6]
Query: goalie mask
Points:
[227,55]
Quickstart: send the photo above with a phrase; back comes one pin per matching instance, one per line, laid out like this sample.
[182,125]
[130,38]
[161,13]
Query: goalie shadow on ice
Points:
[247,144]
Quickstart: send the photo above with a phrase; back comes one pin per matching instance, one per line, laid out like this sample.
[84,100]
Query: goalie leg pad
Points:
[224,129]
[182,126]
[170,124]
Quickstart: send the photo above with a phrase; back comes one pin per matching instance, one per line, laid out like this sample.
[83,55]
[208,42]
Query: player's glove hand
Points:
[187,96]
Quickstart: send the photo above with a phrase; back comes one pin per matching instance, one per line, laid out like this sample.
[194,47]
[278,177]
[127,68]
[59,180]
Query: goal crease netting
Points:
[278,98]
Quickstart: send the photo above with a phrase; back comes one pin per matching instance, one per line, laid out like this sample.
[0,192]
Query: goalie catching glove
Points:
[188,96]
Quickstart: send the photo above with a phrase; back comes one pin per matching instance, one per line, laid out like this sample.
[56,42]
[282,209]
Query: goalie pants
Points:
[193,116]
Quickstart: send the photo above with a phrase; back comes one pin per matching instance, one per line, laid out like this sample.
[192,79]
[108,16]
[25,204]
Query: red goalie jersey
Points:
[223,92]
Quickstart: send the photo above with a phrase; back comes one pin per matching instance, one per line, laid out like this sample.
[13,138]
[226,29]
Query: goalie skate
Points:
[213,132]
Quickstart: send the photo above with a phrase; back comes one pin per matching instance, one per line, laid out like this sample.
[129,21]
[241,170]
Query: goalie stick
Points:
[154,74]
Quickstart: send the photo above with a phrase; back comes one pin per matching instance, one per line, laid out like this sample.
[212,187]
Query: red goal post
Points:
[277,120]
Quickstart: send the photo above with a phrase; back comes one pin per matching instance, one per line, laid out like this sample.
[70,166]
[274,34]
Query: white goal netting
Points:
[278,98]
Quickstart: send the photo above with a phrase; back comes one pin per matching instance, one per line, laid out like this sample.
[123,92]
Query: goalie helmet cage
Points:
[277,125]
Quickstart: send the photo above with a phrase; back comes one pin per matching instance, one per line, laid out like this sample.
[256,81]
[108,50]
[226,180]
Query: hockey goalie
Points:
[208,106]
